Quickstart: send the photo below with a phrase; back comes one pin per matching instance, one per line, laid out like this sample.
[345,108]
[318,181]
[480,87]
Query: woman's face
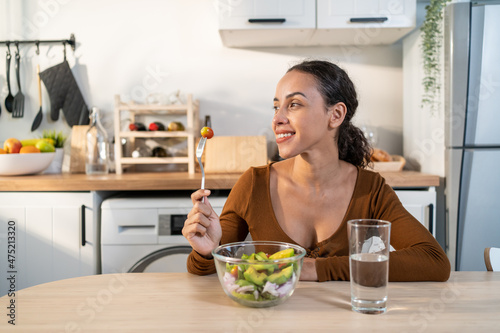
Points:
[301,122]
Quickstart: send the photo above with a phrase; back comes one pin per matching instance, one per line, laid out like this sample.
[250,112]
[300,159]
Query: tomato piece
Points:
[207,132]
[234,271]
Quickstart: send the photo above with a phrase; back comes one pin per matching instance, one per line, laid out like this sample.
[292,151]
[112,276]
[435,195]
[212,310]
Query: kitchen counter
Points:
[181,302]
[165,181]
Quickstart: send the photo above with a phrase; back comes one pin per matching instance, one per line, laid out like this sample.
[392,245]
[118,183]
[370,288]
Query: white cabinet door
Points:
[422,205]
[366,13]
[49,236]
[266,22]
[267,14]
[363,22]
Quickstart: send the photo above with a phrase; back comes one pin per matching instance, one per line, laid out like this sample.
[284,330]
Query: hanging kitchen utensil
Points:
[18,111]
[9,100]
[39,115]
[64,94]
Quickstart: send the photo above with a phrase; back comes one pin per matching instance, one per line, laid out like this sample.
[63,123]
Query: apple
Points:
[12,146]
[45,146]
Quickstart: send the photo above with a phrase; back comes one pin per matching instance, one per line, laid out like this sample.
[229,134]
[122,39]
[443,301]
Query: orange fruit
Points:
[29,149]
[2,151]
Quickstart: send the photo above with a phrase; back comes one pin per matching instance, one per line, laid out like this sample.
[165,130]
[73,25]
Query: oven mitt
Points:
[64,94]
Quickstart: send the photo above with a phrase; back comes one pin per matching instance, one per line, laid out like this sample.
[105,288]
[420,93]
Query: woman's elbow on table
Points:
[443,270]
[439,265]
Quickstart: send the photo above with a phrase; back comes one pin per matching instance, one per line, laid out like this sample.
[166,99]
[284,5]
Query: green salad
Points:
[260,278]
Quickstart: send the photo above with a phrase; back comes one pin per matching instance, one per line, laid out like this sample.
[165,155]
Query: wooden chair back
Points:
[492,259]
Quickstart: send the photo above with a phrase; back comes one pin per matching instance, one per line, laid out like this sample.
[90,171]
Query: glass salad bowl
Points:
[259,273]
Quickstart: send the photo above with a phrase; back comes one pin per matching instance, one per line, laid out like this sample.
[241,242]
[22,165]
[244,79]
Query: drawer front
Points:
[129,226]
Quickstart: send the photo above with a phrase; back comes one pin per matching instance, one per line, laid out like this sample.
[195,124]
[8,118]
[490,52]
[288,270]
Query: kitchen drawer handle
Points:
[267,20]
[83,226]
[368,19]
[431,218]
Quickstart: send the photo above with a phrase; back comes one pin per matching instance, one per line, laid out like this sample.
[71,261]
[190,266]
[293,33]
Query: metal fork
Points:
[18,111]
[199,153]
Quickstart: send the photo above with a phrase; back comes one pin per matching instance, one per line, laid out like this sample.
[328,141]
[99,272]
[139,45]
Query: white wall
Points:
[423,139]
[423,129]
[133,48]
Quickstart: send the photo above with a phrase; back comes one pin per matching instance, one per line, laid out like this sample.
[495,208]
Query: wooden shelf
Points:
[155,134]
[154,160]
[155,109]
[189,110]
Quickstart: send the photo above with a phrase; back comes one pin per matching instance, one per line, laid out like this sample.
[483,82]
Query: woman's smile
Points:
[282,137]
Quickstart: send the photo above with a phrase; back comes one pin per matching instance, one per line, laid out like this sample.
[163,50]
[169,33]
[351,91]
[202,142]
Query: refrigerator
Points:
[472,131]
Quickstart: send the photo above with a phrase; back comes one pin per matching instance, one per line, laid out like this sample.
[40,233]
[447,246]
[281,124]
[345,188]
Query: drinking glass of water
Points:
[369,244]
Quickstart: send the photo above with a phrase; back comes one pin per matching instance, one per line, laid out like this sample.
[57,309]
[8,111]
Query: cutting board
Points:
[227,154]
[78,139]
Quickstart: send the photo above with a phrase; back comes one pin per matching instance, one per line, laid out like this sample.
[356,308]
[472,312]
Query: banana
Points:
[32,142]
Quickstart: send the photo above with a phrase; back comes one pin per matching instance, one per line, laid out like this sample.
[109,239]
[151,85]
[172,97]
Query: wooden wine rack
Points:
[190,110]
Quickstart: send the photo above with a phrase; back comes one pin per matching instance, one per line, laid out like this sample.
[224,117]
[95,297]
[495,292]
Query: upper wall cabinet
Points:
[363,22]
[247,23]
[267,23]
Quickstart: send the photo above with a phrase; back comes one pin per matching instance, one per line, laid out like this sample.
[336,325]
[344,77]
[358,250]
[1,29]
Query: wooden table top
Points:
[181,302]
[165,181]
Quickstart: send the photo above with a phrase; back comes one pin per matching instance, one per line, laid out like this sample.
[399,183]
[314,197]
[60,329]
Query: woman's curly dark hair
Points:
[335,86]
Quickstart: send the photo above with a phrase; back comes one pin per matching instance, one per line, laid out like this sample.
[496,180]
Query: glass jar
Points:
[97,153]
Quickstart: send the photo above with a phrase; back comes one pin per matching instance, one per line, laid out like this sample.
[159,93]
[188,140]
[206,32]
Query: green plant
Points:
[58,138]
[432,38]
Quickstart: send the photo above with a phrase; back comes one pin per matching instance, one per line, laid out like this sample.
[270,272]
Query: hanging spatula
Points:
[39,115]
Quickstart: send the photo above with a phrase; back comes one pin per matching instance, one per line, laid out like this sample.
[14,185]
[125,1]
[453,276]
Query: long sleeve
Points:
[234,228]
[248,209]
[418,256]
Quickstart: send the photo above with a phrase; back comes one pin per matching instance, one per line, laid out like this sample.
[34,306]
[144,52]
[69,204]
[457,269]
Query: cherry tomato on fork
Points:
[207,132]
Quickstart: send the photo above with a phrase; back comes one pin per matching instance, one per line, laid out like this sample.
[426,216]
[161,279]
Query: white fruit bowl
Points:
[24,164]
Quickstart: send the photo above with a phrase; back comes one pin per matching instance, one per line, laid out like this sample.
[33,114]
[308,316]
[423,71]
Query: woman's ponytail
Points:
[353,145]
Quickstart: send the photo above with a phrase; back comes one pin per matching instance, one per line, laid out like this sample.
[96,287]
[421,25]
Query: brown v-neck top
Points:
[417,255]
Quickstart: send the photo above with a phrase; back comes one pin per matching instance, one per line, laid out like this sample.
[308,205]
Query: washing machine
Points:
[144,234]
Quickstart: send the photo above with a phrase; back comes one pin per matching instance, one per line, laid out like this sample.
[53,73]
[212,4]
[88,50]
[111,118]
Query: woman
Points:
[307,198]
